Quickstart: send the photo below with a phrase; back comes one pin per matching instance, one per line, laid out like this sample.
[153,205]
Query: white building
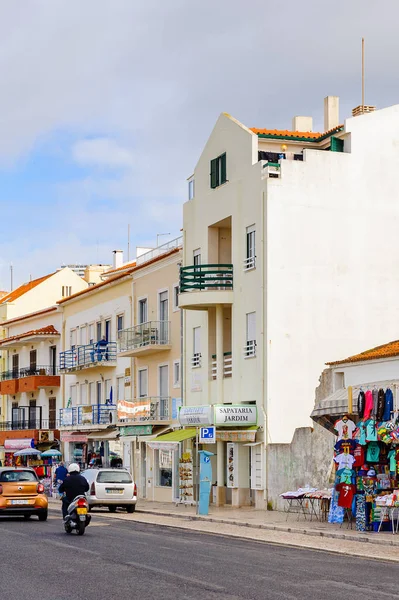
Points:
[290,250]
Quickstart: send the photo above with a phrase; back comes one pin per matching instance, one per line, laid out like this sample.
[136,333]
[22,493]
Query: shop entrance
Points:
[144,470]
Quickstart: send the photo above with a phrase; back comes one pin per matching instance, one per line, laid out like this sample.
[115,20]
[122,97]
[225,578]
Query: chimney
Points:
[302,124]
[331,112]
[118,259]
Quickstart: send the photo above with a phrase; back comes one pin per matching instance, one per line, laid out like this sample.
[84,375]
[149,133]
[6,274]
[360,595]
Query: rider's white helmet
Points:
[74,468]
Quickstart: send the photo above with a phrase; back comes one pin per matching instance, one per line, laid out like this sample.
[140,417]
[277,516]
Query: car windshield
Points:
[114,477]
[18,476]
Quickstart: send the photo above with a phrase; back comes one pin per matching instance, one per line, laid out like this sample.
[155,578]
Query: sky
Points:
[106,105]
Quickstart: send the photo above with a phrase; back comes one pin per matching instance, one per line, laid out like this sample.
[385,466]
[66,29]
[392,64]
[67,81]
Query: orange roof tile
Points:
[48,330]
[22,289]
[124,267]
[285,133]
[385,351]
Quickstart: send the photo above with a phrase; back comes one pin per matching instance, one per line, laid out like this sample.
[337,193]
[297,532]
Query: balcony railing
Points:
[227,365]
[249,263]
[206,277]
[88,356]
[159,250]
[250,349]
[151,408]
[97,414]
[29,372]
[152,333]
[29,424]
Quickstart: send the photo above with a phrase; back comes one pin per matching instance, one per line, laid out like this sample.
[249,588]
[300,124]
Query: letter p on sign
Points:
[207,435]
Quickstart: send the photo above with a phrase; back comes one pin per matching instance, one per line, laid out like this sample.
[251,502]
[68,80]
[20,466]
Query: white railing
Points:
[159,250]
[196,360]
[227,366]
[250,349]
[249,263]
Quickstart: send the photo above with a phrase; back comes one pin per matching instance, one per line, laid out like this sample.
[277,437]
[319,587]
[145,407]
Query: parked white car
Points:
[111,488]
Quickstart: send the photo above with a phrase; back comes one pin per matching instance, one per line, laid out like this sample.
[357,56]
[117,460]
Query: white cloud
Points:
[102,152]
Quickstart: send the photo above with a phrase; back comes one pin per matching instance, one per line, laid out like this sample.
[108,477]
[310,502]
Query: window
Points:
[98,330]
[91,333]
[92,398]
[108,330]
[176,373]
[250,258]
[339,380]
[120,388]
[83,335]
[73,394]
[98,392]
[197,257]
[74,338]
[143,383]
[119,324]
[218,171]
[143,311]
[176,297]
[83,393]
[114,477]
[164,467]
[163,306]
[15,366]
[33,361]
[196,360]
[108,386]
[191,188]
[66,291]
[250,346]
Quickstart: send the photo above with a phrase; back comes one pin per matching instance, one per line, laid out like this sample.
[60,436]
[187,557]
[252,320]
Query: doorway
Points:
[52,413]
[53,360]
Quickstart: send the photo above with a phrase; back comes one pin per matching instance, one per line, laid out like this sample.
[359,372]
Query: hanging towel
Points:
[369,405]
[388,405]
[361,400]
[380,404]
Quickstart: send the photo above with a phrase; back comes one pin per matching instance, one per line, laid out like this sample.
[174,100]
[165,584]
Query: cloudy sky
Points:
[105,106]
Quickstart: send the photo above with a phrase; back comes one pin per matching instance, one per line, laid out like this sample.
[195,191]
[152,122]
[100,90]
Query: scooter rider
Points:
[73,485]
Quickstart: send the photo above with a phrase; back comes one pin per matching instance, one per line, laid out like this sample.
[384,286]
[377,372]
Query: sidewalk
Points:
[263,526]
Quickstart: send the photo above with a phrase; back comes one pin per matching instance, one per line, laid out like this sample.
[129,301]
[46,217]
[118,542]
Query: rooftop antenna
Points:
[11,278]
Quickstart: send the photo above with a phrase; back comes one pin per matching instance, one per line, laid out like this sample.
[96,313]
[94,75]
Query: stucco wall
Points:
[307,460]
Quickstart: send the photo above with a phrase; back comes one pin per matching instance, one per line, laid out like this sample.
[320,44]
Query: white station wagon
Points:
[112,488]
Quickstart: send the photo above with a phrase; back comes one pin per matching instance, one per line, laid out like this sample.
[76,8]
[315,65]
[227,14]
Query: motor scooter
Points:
[77,518]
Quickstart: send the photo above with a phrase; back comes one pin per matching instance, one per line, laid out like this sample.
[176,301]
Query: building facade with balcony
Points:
[31,383]
[279,275]
[153,343]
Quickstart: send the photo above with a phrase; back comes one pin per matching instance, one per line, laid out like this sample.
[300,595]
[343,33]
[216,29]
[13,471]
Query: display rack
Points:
[186,482]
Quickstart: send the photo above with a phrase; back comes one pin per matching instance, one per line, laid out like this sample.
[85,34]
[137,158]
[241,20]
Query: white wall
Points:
[369,371]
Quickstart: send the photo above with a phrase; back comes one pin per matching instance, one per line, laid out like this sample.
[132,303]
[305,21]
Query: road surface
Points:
[130,561]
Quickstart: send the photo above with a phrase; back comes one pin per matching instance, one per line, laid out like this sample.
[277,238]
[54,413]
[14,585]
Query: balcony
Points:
[88,415]
[204,286]
[153,409]
[227,366]
[144,339]
[88,357]
[32,424]
[29,379]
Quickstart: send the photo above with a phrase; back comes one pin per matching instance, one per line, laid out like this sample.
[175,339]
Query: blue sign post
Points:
[205,481]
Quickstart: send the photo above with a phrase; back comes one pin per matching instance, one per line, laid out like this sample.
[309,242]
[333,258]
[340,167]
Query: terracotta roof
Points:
[30,315]
[385,351]
[303,135]
[48,330]
[124,267]
[22,289]
[113,278]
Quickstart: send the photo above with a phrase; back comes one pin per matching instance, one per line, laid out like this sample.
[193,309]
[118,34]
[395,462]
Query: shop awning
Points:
[172,439]
[103,435]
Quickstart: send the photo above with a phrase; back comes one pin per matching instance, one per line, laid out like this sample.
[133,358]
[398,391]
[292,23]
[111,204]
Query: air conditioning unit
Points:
[46,437]
[112,417]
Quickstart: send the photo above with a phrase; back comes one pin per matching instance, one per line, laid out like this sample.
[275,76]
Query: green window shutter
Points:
[214,166]
[223,177]
[337,145]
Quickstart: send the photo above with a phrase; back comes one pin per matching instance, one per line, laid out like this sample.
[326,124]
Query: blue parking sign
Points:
[208,435]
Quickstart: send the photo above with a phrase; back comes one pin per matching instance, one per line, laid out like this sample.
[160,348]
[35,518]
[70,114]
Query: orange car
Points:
[21,493]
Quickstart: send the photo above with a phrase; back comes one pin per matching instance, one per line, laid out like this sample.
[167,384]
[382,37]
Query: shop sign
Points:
[235,436]
[67,417]
[136,430]
[19,444]
[196,415]
[236,414]
[136,411]
[71,437]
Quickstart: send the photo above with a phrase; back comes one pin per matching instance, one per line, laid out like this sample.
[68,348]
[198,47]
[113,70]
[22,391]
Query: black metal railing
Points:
[29,424]
[29,371]
[206,277]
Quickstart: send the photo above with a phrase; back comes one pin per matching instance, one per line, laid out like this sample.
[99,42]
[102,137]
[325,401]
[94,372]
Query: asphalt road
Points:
[124,560]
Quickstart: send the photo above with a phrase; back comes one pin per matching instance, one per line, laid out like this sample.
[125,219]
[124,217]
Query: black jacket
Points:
[74,485]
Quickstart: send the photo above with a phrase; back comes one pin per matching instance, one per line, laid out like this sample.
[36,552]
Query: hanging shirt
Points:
[346,476]
[361,400]
[347,446]
[346,493]
[371,431]
[375,403]
[345,429]
[358,456]
[361,433]
[373,452]
[380,404]
[392,461]
[388,409]
[344,461]
[369,405]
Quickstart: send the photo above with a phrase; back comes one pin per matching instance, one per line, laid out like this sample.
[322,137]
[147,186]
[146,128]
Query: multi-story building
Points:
[290,247]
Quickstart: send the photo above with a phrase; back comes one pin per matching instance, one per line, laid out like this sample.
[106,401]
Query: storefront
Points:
[75,447]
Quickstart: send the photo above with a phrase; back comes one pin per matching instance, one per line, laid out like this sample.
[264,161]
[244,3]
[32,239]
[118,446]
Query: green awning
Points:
[177,436]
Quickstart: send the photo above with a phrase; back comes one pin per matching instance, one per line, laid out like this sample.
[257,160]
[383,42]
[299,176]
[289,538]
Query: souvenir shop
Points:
[366,457]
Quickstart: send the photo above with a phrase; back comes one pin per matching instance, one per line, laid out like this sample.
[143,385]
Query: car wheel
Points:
[131,508]
[27,517]
[43,516]
[112,509]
